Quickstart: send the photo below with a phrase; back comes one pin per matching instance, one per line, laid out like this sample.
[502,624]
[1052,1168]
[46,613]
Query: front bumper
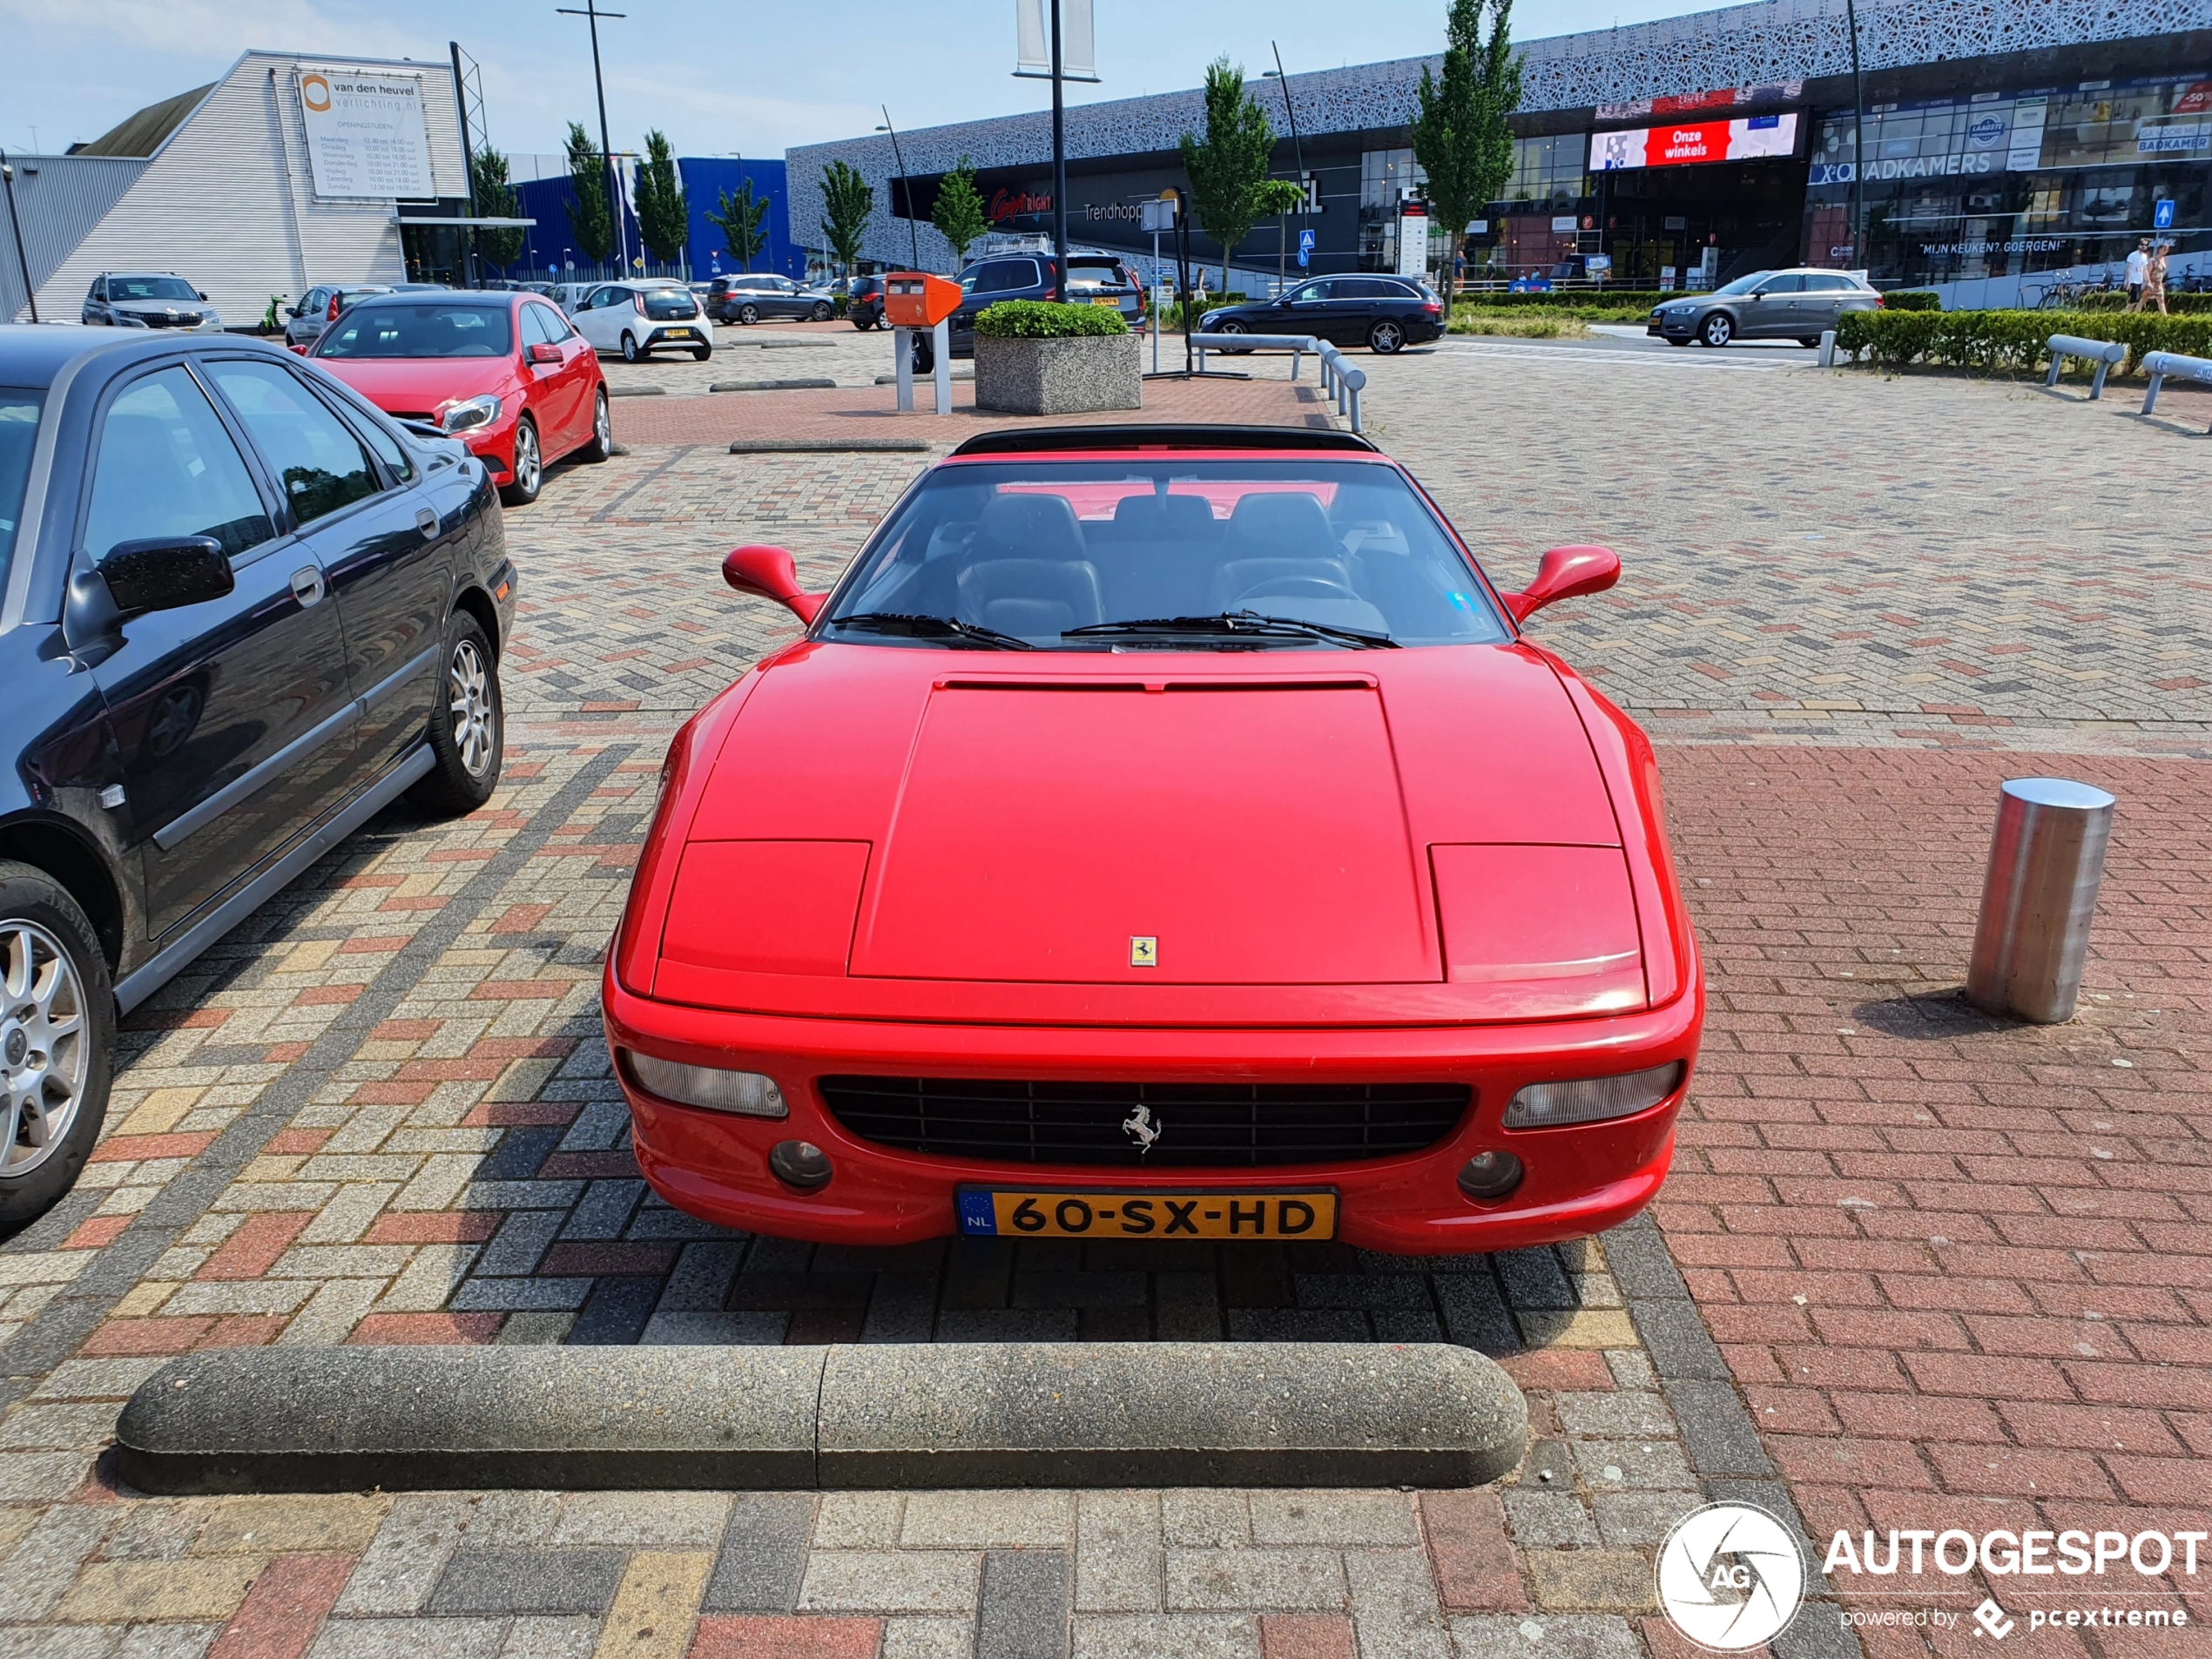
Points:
[1673,327]
[1580,1180]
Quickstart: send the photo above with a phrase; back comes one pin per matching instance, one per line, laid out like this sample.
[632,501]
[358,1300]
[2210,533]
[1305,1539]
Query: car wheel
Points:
[57,1043]
[748,313]
[1385,337]
[528,475]
[1716,330]
[629,351]
[700,353]
[468,725]
[822,311]
[1813,344]
[600,443]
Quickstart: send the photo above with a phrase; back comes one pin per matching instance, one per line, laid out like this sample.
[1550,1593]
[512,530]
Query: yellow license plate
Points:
[1105,300]
[1004,1213]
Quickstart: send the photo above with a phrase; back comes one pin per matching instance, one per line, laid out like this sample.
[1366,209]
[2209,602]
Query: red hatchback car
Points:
[1159,833]
[504,373]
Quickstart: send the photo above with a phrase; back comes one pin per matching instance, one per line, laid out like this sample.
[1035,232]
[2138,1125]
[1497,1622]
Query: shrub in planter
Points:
[1034,357]
[1913,300]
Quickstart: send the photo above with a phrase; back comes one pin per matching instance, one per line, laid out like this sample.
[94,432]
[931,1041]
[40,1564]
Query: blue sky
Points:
[748,76]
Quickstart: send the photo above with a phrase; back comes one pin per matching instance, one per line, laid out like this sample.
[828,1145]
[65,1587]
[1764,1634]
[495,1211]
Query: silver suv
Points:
[1799,305]
[148,300]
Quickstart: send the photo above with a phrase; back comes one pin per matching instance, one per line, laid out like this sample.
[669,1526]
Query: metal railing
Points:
[2161,364]
[2103,353]
[1340,379]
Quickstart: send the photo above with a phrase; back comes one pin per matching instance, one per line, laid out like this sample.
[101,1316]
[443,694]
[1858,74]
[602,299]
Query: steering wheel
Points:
[1298,587]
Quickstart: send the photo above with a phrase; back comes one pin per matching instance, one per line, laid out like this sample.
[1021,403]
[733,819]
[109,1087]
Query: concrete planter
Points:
[1073,376]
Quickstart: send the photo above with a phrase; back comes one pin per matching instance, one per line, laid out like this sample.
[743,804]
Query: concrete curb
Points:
[830,446]
[874,1415]
[807,383]
[636,391]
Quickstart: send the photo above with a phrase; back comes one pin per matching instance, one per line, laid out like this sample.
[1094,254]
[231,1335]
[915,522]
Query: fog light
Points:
[710,1088]
[801,1164]
[1488,1177]
[1588,1100]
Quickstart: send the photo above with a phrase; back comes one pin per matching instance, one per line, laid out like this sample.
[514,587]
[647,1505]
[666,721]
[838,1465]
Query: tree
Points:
[959,214]
[1281,198]
[738,218]
[587,218]
[1228,167]
[664,215]
[495,200]
[1462,137]
[848,202]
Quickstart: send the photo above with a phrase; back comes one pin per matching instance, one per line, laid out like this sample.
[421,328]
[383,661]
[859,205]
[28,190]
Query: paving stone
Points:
[972,1520]
[575,1636]
[1551,1636]
[763,1554]
[1202,1518]
[859,1520]
[1118,1553]
[1603,1464]
[1548,1520]
[1148,1636]
[435,1638]
[653,1520]
[1209,1579]
[1024,1609]
[478,1580]
[42,1567]
[1394,1604]
[1333,1518]
[337,1524]
[861,1581]
[1573,1579]
[654,1604]
[114,1591]
[922,1638]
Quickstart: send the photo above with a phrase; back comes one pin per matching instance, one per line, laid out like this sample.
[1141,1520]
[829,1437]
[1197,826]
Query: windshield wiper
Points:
[1246,623]
[919,627]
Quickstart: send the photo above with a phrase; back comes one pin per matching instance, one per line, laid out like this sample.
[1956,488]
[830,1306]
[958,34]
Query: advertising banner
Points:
[366,136]
[1685,143]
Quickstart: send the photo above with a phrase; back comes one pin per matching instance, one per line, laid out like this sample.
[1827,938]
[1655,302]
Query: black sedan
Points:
[1384,313]
[240,612]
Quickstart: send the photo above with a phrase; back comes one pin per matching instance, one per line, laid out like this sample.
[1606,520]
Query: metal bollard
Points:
[2045,865]
[1828,348]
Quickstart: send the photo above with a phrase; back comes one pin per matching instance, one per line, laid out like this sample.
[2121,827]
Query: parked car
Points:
[988,984]
[148,300]
[864,304]
[1094,279]
[569,295]
[756,299]
[1106,279]
[246,612]
[1385,314]
[1799,305]
[638,318]
[506,374]
[321,307]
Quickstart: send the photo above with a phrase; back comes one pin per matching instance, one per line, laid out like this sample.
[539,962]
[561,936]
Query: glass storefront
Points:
[2011,193]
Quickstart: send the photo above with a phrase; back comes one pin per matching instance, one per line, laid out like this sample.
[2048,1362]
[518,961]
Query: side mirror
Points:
[165,572]
[1566,572]
[292,312]
[770,573]
[542,353]
[203,297]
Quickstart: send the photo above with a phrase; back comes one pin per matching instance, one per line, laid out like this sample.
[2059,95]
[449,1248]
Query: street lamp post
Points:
[1859,261]
[1297,149]
[606,149]
[1059,169]
[913,231]
[23,260]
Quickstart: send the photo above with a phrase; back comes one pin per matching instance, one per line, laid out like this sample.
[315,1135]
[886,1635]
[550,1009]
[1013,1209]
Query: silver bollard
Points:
[2045,866]
[1828,348]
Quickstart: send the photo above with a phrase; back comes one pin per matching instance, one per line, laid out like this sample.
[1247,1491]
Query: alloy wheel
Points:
[1387,338]
[528,465]
[469,706]
[45,1056]
[602,425]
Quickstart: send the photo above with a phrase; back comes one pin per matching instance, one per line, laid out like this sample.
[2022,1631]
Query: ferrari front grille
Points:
[1153,1126]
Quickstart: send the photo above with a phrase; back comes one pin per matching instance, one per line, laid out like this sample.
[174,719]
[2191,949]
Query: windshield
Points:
[424,328]
[161,287]
[1745,284]
[19,433]
[1026,552]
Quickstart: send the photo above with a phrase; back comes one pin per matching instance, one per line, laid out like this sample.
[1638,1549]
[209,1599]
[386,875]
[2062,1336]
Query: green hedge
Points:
[1603,299]
[1913,300]
[1044,320]
[2010,341]
[2180,305]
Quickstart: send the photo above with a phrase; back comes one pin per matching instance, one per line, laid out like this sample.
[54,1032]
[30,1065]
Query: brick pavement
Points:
[381,1112]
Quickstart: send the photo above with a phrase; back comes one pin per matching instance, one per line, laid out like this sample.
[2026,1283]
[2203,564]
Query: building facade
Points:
[2005,145]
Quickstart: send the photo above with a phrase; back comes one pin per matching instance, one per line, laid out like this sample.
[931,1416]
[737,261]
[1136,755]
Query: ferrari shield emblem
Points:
[1144,951]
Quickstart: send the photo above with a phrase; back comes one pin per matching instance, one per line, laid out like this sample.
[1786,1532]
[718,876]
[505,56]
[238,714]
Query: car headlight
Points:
[468,414]
[747,1093]
[1588,1100]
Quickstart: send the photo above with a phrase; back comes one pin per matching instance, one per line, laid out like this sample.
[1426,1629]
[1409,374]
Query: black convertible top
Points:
[1115,436]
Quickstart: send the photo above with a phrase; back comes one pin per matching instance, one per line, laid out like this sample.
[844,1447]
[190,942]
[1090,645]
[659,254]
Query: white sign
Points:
[1565,222]
[1666,279]
[366,136]
[1412,240]
[1599,264]
[1032,40]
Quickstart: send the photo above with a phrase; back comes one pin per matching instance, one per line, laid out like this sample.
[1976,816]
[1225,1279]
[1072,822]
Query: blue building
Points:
[549,246]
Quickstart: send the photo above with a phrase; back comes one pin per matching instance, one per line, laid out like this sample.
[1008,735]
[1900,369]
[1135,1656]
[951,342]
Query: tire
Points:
[467,725]
[1671,341]
[700,353]
[52,969]
[1716,330]
[600,443]
[529,474]
[821,312]
[864,323]
[748,313]
[629,351]
[1385,337]
[1812,344]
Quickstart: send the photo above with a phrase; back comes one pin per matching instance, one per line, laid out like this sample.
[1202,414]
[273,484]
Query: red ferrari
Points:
[504,372]
[1160,833]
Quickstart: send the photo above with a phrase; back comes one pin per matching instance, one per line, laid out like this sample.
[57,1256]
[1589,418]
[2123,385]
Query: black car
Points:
[1384,313]
[148,300]
[864,303]
[240,612]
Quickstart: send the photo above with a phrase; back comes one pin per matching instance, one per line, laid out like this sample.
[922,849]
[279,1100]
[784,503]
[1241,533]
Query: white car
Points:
[638,318]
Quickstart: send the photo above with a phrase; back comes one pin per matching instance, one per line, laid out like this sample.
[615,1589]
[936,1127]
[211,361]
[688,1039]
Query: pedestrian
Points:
[2138,266]
[2154,280]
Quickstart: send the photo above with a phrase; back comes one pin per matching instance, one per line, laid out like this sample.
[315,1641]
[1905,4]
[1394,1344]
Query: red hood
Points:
[1269,820]
[420,385]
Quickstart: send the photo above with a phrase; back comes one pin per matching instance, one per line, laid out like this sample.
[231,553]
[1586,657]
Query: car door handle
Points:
[427,520]
[306,585]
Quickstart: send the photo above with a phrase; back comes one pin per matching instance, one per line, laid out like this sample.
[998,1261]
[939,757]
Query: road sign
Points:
[2161,216]
[1305,249]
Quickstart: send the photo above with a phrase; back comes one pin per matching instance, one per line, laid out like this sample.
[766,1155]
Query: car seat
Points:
[1280,543]
[1028,573]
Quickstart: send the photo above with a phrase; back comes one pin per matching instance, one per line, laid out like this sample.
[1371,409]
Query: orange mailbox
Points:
[916,300]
